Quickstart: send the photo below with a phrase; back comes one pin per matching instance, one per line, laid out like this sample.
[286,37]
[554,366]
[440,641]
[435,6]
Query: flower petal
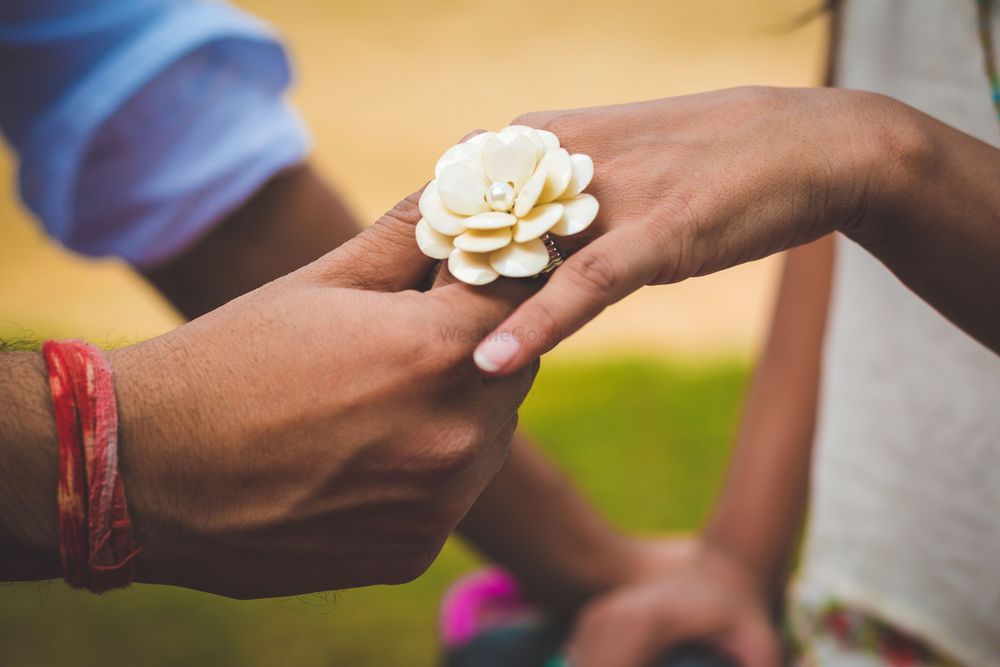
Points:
[436,215]
[511,162]
[467,152]
[514,130]
[483,240]
[471,268]
[462,186]
[558,170]
[491,220]
[528,196]
[578,213]
[540,220]
[481,138]
[549,140]
[432,242]
[583,173]
[520,260]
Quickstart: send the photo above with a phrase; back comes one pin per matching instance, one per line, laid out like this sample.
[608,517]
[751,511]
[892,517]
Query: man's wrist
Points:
[29,537]
[141,423]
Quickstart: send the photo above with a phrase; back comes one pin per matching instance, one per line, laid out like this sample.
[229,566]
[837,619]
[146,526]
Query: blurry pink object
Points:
[484,600]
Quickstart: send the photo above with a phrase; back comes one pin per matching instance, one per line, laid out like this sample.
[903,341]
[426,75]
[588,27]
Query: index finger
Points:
[605,271]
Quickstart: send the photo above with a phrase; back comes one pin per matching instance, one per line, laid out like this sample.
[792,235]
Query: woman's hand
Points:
[699,594]
[697,184]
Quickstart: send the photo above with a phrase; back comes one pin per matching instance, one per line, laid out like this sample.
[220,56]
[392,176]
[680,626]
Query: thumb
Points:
[383,258]
[603,272]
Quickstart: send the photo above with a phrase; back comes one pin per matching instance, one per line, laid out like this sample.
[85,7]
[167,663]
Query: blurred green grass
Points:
[646,441]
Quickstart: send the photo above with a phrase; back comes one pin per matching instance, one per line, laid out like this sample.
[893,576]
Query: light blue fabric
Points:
[140,123]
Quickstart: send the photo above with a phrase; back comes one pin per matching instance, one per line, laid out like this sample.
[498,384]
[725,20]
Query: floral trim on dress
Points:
[833,629]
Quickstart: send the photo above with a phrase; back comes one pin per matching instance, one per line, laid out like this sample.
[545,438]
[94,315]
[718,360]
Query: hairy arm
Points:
[288,223]
[292,220]
[758,514]
[28,533]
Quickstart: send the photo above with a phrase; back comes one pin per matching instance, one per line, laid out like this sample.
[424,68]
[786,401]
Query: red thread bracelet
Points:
[95,531]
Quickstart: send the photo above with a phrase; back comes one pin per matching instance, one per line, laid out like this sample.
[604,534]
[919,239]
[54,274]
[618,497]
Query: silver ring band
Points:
[555,257]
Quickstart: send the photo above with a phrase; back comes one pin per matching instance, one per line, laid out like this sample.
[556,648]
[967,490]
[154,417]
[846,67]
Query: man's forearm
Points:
[29,543]
[292,220]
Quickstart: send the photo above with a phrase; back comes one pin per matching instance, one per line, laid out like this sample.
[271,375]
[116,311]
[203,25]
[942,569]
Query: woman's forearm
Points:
[533,521]
[759,511]
[934,219]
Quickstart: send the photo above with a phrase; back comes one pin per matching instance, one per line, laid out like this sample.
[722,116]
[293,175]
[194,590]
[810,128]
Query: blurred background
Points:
[639,407]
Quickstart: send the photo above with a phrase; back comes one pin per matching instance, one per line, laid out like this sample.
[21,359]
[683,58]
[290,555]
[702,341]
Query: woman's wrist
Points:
[586,570]
[760,572]
[894,158]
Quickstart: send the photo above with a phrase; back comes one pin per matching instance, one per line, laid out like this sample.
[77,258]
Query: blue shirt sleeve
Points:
[140,123]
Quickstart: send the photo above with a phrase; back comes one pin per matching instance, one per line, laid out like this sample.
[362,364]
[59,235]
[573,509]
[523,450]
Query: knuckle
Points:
[406,211]
[546,324]
[456,451]
[596,273]
[531,119]
[355,262]
[467,439]
[431,358]
[565,126]
[363,252]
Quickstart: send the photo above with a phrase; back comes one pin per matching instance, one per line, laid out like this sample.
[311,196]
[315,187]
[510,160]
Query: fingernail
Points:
[494,353]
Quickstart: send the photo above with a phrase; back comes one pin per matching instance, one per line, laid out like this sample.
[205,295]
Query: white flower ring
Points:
[496,198]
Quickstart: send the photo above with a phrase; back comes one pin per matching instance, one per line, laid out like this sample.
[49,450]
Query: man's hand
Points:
[700,594]
[324,431]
